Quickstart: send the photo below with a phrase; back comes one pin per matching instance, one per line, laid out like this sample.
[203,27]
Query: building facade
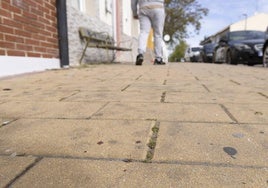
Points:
[111,16]
[29,32]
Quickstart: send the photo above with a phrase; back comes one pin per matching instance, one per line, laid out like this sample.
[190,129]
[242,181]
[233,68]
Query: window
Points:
[108,6]
[79,4]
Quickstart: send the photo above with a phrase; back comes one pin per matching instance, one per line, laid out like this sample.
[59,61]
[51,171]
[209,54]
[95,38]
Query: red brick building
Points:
[28,34]
[36,35]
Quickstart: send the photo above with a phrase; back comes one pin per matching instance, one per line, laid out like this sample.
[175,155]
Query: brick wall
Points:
[28,28]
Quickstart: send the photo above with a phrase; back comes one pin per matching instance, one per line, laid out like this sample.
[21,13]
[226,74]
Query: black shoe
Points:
[139,59]
[159,62]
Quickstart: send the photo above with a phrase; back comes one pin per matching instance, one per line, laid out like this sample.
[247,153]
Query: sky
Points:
[222,13]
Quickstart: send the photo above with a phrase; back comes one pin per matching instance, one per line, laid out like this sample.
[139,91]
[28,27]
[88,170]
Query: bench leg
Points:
[84,52]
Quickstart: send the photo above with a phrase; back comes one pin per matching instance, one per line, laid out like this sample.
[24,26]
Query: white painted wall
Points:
[106,9]
[257,22]
[127,17]
[18,65]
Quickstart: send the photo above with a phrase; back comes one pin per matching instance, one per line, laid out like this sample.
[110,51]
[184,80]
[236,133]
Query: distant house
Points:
[256,22]
[43,34]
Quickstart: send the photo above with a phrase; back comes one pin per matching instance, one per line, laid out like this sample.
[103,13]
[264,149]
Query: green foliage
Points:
[179,15]
[178,52]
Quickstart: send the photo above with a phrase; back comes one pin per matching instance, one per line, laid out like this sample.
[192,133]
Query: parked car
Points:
[243,47]
[206,53]
[192,54]
[265,50]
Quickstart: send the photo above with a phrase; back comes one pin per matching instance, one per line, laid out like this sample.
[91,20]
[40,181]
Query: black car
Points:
[243,47]
[265,50]
[206,54]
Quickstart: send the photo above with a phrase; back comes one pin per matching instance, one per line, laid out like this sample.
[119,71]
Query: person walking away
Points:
[151,14]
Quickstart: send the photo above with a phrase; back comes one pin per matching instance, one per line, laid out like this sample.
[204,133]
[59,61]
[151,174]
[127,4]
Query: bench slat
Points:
[111,47]
[98,40]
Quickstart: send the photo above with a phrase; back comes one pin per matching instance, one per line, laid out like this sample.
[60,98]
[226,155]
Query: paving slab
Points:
[240,97]
[20,109]
[88,173]
[116,96]
[258,132]
[149,86]
[209,143]
[164,111]
[227,87]
[249,113]
[120,139]
[190,97]
[11,167]
[47,95]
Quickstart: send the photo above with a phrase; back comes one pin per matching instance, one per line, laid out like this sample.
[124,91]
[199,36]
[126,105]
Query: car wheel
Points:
[265,56]
[229,59]
[214,60]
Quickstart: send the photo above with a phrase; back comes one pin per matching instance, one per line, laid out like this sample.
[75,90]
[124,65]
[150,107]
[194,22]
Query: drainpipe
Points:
[62,33]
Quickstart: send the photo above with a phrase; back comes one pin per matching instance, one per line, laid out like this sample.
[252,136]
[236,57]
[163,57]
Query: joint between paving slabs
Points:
[163,97]
[73,94]
[29,167]
[125,88]
[138,77]
[5,123]
[206,88]
[235,82]
[152,141]
[263,95]
[97,112]
[229,113]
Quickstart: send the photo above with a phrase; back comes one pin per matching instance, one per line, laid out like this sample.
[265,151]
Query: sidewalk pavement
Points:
[179,125]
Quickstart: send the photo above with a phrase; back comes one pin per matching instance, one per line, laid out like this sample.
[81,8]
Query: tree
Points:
[178,52]
[179,15]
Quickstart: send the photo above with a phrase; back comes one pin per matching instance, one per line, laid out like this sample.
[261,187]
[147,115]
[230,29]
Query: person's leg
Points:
[145,27]
[158,21]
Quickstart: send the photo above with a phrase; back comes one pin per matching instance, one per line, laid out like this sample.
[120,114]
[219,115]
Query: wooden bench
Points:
[102,40]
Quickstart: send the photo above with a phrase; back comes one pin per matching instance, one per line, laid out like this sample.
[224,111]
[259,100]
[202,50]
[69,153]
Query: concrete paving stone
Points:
[44,95]
[10,167]
[258,132]
[164,111]
[209,143]
[228,88]
[190,97]
[138,87]
[239,97]
[77,138]
[42,91]
[27,109]
[57,89]
[88,173]
[6,93]
[249,113]
[110,96]
[97,86]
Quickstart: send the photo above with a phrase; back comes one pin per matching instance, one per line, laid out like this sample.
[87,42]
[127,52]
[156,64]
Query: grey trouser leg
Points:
[151,18]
